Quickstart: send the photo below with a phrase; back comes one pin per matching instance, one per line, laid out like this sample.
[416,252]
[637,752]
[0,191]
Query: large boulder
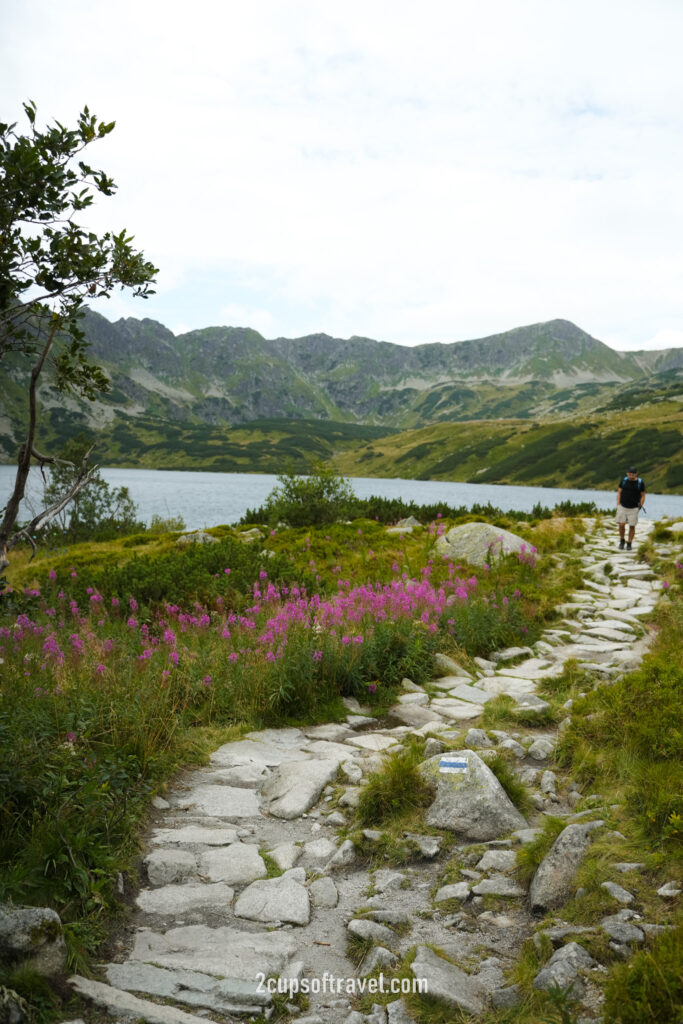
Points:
[479,544]
[552,884]
[33,934]
[470,800]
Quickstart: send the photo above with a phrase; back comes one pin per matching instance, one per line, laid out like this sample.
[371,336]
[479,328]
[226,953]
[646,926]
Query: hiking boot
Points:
[628,547]
[622,542]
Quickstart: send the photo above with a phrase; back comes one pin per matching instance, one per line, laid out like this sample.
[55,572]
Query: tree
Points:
[321,497]
[97,510]
[50,265]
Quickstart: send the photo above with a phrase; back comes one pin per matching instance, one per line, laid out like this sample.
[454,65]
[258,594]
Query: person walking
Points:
[630,500]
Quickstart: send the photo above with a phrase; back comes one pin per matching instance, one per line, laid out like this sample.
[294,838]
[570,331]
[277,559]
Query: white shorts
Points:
[629,516]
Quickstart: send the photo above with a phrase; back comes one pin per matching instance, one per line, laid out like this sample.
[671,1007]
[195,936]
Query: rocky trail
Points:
[249,877]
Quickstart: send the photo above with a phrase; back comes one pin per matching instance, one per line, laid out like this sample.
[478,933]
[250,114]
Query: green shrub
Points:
[398,789]
[516,790]
[322,497]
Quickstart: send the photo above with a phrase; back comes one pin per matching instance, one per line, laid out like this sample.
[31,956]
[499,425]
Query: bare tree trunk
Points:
[25,455]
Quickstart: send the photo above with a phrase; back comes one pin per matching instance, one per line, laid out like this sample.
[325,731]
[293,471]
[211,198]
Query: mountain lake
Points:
[209,499]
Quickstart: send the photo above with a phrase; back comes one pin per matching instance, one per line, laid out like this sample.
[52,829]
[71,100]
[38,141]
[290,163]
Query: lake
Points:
[207,499]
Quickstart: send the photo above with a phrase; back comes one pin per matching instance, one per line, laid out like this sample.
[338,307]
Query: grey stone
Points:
[333,732]
[552,883]
[286,855]
[669,890]
[530,702]
[476,738]
[456,891]
[387,880]
[398,1014]
[563,969]
[336,818]
[165,866]
[447,983]
[236,864]
[456,710]
[473,804]
[275,899]
[242,776]
[374,741]
[497,885]
[193,987]
[618,893]
[345,855]
[179,899]
[527,835]
[434,747]
[622,931]
[323,893]
[198,537]
[364,929]
[429,846]
[506,998]
[378,957]
[470,693]
[230,802]
[225,952]
[541,749]
[512,745]
[415,716]
[625,866]
[124,1004]
[414,698]
[319,851]
[191,835]
[34,934]
[447,665]
[478,543]
[497,860]
[295,786]
[352,771]
[549,782]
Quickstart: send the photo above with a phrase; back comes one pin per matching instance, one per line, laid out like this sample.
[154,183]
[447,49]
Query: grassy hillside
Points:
[586,453]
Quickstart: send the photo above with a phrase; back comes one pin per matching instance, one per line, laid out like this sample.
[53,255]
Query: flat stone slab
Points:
[470,693]
[509,685]
[295,786]
[191,835]
[244,776]
[165,866]
[230,802]
[124,1004]
[269,755]
[414,698]
[276,899]
[236,864]
[223,952]
[333,732]
[415,715]
[372,741]
[193,987]
[497,860]
[328,750]
[456,710]
[178,899]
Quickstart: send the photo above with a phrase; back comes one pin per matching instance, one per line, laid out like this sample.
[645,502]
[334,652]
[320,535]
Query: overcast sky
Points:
[407,172]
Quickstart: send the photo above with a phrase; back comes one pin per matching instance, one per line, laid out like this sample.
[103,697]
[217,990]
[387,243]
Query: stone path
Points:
[247,874]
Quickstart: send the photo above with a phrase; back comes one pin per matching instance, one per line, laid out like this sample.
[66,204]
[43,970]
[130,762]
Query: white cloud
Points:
[412,174]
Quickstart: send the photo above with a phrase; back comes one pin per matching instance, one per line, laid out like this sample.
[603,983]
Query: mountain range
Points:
[223,397]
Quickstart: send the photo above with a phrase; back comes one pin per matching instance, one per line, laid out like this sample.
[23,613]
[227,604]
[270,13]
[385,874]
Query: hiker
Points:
[630,500]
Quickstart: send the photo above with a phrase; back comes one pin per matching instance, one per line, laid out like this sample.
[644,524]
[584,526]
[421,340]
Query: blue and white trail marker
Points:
[453,765]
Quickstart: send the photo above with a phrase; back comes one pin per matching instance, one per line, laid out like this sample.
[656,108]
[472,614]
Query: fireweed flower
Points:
[173,656]
[207,680]
[132,603]
[372,687]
